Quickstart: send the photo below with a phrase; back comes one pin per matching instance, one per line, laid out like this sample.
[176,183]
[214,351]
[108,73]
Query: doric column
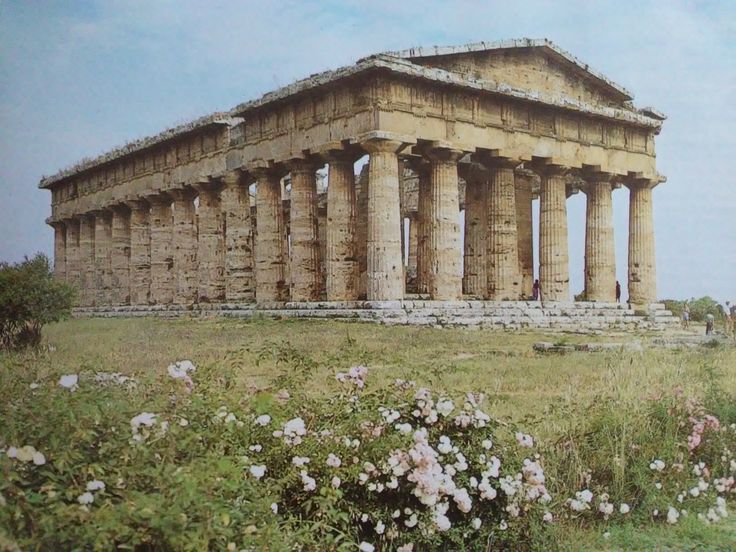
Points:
[140,252]
[162,261]
[184,245]
[421,168]
[642,266]
[210,245]
[270,246]
[304,265]
[411,269]
[600,255]
[120,255]
[361,231]
[475,275]
[524,229]
[341,258]
[87,259]
[73,270]
[235,199]
[59,251]
[504,278]
[385,269]
[554,277]
[103,248]
[443,249]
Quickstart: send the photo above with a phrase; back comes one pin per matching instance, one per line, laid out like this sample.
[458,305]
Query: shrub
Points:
[30,298]
[698,308]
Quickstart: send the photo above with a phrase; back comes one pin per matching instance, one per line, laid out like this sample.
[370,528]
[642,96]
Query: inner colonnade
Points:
[231,207]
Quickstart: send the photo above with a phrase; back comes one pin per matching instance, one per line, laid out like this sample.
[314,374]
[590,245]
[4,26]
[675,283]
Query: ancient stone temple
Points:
[235,208]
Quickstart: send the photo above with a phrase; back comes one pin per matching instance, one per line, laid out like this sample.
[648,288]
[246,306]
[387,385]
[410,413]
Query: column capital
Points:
[472,172]
[419,165]
[207,186]
[442,154]
[120,208]
[101,212]
[496,162]
[643,183]
[301,165]
[137,204]
[346,155]
[260,172]
[383,142]
[187,193]
[158,198]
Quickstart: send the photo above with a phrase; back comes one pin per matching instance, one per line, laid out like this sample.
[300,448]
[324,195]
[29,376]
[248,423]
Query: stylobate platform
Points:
[482,314]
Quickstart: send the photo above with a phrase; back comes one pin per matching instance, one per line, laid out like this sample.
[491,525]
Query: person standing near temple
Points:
[618,291]
[709,320]
[535,290]
[686,316]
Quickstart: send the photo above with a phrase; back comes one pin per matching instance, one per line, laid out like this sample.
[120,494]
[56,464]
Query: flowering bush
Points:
[171,461]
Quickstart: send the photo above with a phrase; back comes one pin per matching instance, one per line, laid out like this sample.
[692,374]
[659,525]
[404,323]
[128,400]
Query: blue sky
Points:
[77,78]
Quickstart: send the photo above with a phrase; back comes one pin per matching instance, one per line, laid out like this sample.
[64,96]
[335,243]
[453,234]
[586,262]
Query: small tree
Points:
[30,298]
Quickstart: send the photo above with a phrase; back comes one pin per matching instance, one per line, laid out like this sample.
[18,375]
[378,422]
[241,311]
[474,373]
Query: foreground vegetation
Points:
[607,447]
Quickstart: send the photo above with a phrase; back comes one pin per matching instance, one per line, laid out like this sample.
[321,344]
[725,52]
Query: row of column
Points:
[160,249]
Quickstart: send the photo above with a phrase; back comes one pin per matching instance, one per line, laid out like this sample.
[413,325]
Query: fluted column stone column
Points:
[239,278]
[59,251]
[184,245]
[411,269]
[120,255]
[87,259]
[140,252]
[554,279]
[385,268]
[341,254]
[304,266]
[162,259]
[504,277]
[270,246]
[524,229]
[103,266]
[443,251]
[642,265]
[210,245]
[600,254]
[422,170]
[73,268]
[475,275]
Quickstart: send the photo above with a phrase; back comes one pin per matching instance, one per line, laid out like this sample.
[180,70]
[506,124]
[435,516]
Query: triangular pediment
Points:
[536,66]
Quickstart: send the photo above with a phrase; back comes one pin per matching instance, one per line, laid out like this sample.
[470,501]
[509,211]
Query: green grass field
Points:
[521,386]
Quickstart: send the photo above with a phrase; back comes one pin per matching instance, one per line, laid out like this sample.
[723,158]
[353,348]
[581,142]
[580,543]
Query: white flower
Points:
[69,381]
[657,465]
[333,461]
[409,547]
[300,461]
[263,420]
[624,508]
[475,523]
[86,498]
[336,482]
[524,440]
[445,446]
[404,429]
[309,483]
[412,521]
[607,535]
[380,527]
[230,418]
[257,471]
[183,422]
[672,516]
[95,485]
[444,407]
[503,525]
[442,522]
[181,369]
[38,458]
[274,508]
[143,419]
[34,385]
[366,547]
[547,517]
[487,444]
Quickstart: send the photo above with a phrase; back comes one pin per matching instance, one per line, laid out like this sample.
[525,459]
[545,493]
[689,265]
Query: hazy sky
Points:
[78,78]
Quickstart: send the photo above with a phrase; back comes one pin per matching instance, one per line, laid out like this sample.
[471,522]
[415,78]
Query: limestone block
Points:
[239,261]
[140,252]
[162,261]
[270,245]
[304,263]
[341,251]
[445,281]
[120,255]
[73,270]
[185,246]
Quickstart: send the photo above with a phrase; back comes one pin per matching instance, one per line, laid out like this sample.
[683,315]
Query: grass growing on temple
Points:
[185,458]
